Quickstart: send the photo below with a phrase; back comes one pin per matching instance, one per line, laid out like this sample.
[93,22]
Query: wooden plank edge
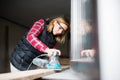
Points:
[30,74]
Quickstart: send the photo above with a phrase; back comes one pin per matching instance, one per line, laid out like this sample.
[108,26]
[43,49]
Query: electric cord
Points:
[34,58]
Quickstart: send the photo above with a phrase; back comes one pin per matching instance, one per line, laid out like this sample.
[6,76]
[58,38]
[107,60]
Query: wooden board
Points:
[30,74]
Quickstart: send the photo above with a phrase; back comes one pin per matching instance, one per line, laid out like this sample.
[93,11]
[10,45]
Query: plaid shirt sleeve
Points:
[33,33]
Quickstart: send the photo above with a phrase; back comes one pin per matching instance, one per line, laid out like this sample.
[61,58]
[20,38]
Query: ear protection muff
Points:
[47,20]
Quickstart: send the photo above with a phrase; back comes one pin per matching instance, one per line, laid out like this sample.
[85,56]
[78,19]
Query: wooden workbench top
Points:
[33,74]
[30,74]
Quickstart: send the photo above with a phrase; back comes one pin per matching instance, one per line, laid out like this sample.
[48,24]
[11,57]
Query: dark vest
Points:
[24,52]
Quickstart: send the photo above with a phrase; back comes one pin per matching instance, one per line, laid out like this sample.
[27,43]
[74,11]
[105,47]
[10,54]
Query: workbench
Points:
[34,74]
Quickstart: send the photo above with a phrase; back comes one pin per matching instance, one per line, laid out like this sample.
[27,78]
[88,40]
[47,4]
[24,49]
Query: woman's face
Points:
[59,28]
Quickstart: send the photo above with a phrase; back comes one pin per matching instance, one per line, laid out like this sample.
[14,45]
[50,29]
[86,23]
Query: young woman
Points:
[40,39]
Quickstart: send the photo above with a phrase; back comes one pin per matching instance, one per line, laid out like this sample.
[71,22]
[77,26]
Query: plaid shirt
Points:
[33,33]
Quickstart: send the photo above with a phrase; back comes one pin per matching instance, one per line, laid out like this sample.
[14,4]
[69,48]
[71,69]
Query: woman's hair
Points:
[59,38]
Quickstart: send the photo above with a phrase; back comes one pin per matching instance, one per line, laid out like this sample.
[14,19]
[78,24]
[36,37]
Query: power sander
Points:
[50,63]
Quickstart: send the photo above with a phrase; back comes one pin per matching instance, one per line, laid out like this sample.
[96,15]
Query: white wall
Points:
[109,38]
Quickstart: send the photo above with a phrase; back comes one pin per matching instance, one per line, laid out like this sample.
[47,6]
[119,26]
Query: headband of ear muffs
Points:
[50,18]
[47,20]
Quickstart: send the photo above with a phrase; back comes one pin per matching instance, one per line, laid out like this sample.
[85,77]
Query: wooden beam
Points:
[30,74]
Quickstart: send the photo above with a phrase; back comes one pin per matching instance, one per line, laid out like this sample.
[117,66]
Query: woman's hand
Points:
[88,52]
[53,52]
